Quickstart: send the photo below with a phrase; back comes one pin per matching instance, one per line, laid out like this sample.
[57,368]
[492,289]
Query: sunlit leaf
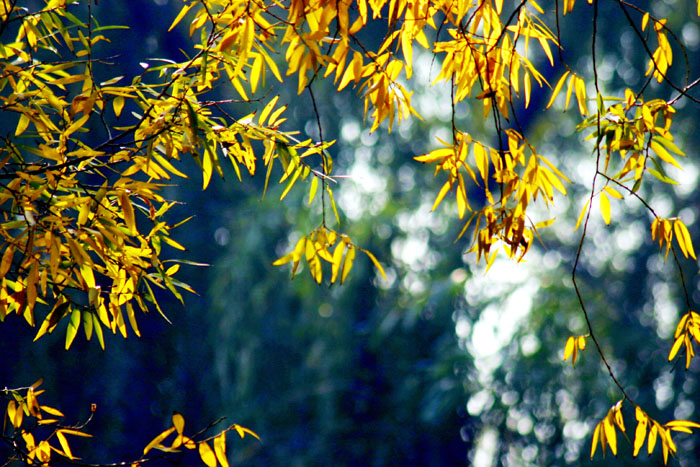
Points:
[605,208]
[158,439]
[313,189]
[596,436]
[220,449]
[683,239]
[178,423]
[206,454]
[242,431]
[347,264]
[581,216]
[375,262]
[64,444]
[641,431]
[441,195]
[676,346]
[73,326]
[652,438]
[569,348]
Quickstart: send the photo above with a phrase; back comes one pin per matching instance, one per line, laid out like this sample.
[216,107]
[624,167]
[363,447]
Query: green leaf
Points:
[73,326]
[87,324]
[313,189]
[662,177]
[98,330]
[283,154]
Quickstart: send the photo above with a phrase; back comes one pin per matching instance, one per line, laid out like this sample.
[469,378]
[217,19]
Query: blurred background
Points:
[438,365]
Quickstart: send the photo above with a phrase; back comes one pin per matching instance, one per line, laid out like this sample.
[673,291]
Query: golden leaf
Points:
[641,431]
[207,455]
[605,208]
[220,449]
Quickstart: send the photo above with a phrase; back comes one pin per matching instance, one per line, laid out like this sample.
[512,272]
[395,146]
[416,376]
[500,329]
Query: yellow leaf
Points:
[64,444]
[580,89]
[436,155]
[227,42]
[619,421]
[51,411]
[681,325]
[652,437]
[683,423]
[220,449]
[544,224]
[580,217]
[557,88]
[179,423]
[441,195]
[663,154]
[613,192]
[167,165]
[569,90]
[683,238]
[596,436]
[482,161]
[127,212]
[376,263]
[569,348]
[294,255]
[664,446]
[6,262]
[207,169]
[266,111]
[676,347]
[88,276]
[242,431]
[347,264]
[158,439]
[69,431]
[73,326]
[11,412]
[528,89]
[22,124]
[407,49]
[641,431]
[314,262]
[132,318]
[313,189]
[291,182]
[181,15]
[76,125]
[207,455]
[610,434]
[581,342]
[461,195]
[545,46]
[255,72]
[118,105]
[337,261]
[352,71]
[605,208]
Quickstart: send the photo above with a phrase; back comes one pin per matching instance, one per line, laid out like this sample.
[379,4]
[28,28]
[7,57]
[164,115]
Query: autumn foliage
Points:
[86,230]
